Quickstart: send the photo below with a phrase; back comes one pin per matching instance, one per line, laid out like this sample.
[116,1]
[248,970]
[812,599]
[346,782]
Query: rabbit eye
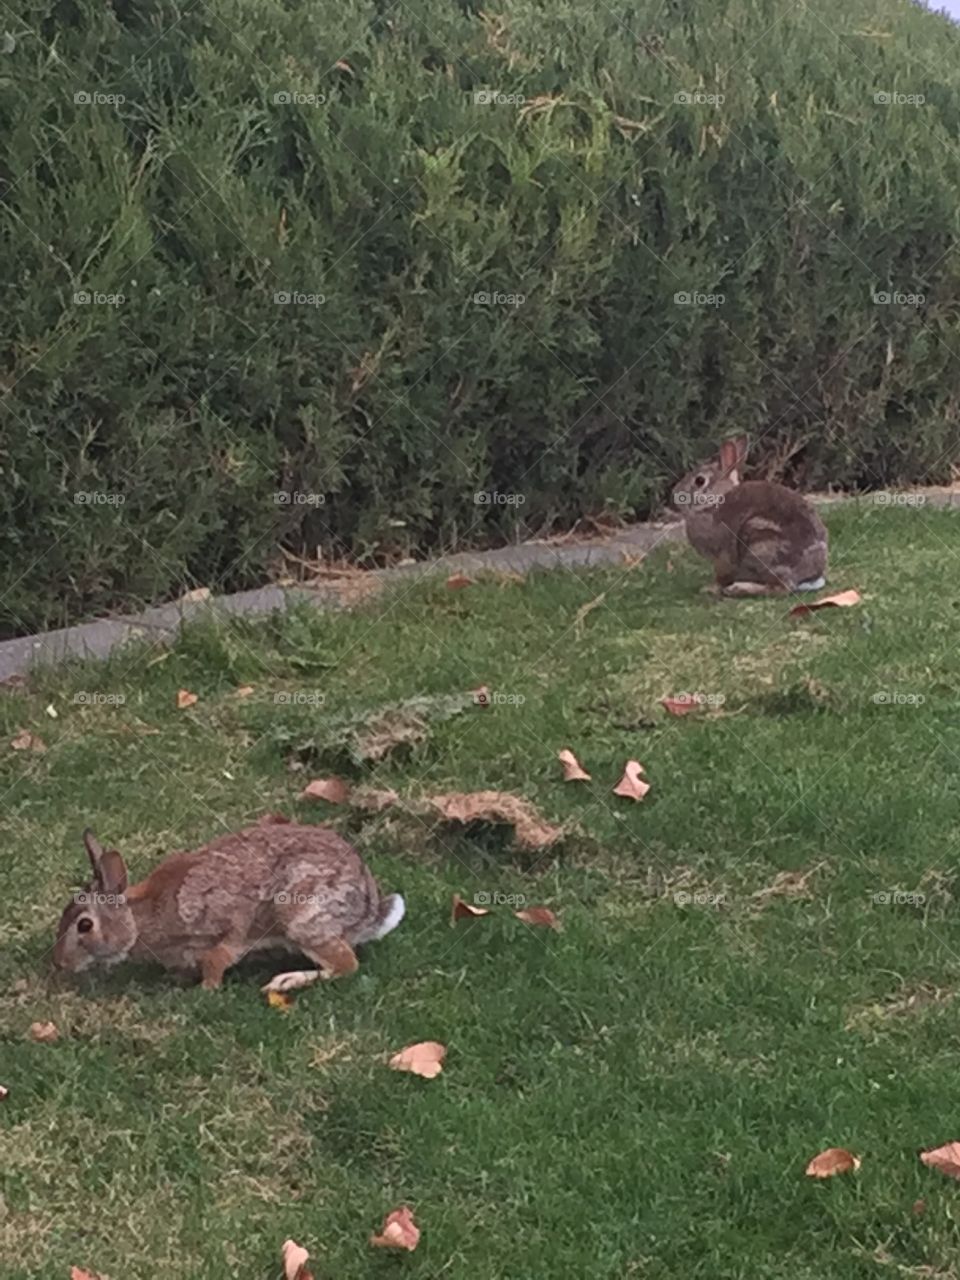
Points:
[84,924]
[700,481]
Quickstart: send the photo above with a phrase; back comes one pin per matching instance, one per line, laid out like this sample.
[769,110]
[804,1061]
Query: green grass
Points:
[636,1096]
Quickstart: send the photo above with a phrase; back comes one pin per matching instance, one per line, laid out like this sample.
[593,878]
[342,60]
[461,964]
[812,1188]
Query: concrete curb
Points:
[99,639]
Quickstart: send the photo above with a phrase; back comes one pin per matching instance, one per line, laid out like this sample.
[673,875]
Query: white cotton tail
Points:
[392,910]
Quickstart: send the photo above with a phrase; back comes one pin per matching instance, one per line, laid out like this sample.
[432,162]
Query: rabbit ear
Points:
[113,872]
[733,453]
[94,851]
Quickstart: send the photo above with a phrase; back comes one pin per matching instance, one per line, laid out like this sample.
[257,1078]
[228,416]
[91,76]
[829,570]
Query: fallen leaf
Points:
[832,1161]
[539,916]
[295,980]
[4,1093]
[682,705]
[44,1032]
[631,785]
[186,699]
[333,790]
[423,1059]
[460,909]
[457,581]
[295,1259]
[946,1159]
[78,1273]
[399,1231]
[573,771]
[244,691]
[370,799]
[26,741]
[195,596]
[499,807]
[843,600]
[343,65]
[280,1000]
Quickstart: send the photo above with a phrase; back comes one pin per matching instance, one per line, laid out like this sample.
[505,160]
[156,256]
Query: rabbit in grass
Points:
[762,538]
[273,886]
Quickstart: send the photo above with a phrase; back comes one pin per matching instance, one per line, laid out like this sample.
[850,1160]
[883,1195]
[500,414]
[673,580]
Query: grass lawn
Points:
[636,1096]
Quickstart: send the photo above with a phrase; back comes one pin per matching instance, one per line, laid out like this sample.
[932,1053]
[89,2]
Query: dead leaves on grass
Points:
[842,600]
[422,1059]
[498,807]
[632,785]
[399,1231]
[27,741]
[946,1159]
[186,699]
[295,1259]
[573,770]
[44,1032]
[460,910]
[537,916]
[831,1162]
[333,790]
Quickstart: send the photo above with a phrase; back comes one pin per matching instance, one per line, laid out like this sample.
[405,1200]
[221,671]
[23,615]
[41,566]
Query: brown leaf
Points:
[195,596]
[244,691]
[342,65]
[460,909]
[573,771]
[946,1159]
[280,1000]
[44,1032]
[372,800]
[186,699]
[539,916]
[4,1093]
[295,1259]
[333,790]
[423,1059]
[399,1231]
[681,705]
[632,786]
[842,600]
[832,1161]
[499,807]
[457,581]
[78,1273]
[26,741]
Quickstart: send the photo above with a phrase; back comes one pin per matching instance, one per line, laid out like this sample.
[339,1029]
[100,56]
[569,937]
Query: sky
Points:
[952,7]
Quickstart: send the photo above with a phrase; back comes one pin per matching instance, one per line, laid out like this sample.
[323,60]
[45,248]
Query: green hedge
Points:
[588,188]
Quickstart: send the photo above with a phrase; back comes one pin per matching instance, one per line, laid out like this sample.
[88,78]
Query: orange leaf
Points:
[832,1161]
[573,770]
[26,741]
[459,909]
[682,705]
[280,1000]
[423,1059]
[44,1032]
[946,1159]
[631,785]
[186,699]
[843,600]
[399,1231]
[539,915]
[295,1259]
[457,581]
[333,790]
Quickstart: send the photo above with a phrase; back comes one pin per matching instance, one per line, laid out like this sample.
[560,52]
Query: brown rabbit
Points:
[762,538]
[273,886]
